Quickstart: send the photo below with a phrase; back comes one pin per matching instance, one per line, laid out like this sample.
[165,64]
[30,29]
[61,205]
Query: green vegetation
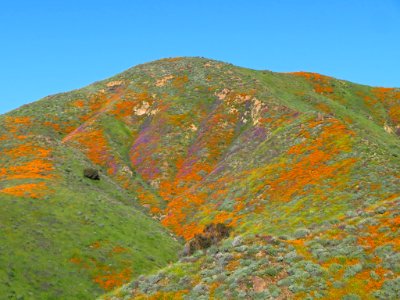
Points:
[303,168]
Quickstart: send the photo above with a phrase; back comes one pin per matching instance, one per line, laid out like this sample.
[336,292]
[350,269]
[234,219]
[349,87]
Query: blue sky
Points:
[54,46]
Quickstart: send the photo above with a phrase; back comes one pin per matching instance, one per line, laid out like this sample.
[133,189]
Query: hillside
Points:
[304,169]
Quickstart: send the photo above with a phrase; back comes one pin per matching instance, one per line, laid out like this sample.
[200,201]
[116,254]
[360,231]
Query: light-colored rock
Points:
[388,129]
[237,241]
[114,83]
[193,127]
[222,95]
[163,81]
[259,284]
[255,111]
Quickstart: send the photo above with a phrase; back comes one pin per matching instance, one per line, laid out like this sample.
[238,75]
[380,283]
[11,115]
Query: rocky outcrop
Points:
[91,174]
[212,234]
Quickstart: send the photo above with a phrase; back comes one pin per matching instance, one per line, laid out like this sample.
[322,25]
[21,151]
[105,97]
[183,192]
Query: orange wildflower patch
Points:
[15,124]
[394,114]
[97,101]
[21,120]
[55,126]
[312,167]
[95,145]
[155,210]
[389,98]
[118,249]
[320,82]
[108,275]
[362,282]
[96,148]
[78,103]
[31,190]
[373,238]
[37,165]
[177,213]
[128,106]
[112,280]
[124,108]
[95,245]
[36,168]
[28,149]
[382,93]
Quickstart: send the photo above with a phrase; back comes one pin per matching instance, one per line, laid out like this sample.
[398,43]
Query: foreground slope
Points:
[304,168]
[63,236]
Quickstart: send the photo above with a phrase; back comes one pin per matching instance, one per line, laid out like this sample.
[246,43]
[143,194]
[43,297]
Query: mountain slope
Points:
[303,167]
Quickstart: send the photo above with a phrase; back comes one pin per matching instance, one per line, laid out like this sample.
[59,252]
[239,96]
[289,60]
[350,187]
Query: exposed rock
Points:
[388,129]
[91,174]
[162,81]
[212,234]
[259,284]
[223,258]
[237,241]
[114,83]
[217,231]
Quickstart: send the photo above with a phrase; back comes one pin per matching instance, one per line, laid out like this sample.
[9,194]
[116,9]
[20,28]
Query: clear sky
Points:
[51,46]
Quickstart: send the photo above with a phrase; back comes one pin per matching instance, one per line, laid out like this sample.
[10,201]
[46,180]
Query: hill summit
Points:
[299,171]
